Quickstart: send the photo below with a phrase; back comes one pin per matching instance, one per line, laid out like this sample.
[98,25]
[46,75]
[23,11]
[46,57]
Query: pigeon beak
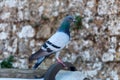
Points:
[74,20]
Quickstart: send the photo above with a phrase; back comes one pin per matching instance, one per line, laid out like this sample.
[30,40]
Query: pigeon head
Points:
[66,23]
[69,19]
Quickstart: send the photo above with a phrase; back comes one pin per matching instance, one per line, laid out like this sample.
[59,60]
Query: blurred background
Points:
[95,39]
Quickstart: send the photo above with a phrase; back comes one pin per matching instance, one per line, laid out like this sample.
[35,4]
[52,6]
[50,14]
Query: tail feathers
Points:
[39,61]
[40,53]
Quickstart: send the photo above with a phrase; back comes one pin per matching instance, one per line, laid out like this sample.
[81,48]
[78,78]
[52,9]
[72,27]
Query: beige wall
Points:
[26,24]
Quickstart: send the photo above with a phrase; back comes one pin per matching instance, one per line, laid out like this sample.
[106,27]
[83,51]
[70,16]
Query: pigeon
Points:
[55,43]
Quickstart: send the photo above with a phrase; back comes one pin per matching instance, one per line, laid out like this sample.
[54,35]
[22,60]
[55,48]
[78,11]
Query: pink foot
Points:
[61,62]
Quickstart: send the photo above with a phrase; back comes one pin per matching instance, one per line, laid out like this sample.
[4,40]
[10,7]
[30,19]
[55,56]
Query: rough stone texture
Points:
[26,24]
[26,32]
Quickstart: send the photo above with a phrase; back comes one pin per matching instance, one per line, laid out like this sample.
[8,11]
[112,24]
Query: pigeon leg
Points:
[59,60]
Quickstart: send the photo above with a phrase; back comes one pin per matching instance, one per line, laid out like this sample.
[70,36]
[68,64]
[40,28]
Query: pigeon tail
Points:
[40,53]
[39,61]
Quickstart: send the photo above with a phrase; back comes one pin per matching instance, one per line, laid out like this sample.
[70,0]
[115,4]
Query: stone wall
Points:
[26,24]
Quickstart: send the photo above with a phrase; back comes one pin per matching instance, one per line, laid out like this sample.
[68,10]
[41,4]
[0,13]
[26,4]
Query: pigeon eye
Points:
[70,18]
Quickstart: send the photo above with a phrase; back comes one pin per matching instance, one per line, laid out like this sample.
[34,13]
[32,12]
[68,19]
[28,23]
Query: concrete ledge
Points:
[20,73]
[18,79]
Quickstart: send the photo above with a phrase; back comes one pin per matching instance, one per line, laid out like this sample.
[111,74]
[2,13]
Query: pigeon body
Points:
[55,43]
